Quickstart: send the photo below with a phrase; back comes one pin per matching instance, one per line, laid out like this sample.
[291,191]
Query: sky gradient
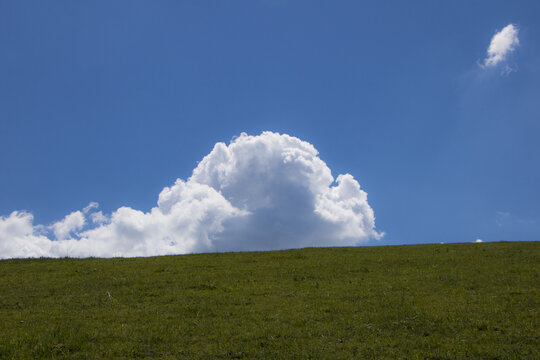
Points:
[111,102]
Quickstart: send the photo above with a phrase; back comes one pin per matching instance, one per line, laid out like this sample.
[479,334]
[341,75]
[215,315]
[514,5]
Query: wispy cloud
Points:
[98,217]
[502,44]
[264,192]
[90,207]
[501,217]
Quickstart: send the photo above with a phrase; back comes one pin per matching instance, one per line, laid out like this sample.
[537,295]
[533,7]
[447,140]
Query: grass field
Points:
[416,302]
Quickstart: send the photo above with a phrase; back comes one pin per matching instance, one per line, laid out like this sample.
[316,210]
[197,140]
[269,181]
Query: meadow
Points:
[453,301]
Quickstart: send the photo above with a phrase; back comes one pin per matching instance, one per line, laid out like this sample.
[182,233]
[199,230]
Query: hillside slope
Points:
[424,301]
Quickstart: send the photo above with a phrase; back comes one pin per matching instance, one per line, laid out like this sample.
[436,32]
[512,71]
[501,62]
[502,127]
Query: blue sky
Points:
[111,101]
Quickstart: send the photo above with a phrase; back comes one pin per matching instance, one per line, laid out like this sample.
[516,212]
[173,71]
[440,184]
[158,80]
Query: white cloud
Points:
[18,237]
[72,222]
[478,241]
[89,207]
[98,218]
[263,192]
[502,44]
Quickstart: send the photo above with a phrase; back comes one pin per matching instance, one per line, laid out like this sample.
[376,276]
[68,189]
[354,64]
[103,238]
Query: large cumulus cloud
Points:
[264,192]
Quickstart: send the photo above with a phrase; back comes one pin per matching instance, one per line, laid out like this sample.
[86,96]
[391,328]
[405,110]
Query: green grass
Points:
[416,302]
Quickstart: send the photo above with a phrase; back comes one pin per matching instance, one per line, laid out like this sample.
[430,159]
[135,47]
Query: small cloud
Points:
[478,241]
[92,205]
[98,218]
[502,44]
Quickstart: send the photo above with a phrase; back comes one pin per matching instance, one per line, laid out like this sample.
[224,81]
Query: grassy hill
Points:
[427,301]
